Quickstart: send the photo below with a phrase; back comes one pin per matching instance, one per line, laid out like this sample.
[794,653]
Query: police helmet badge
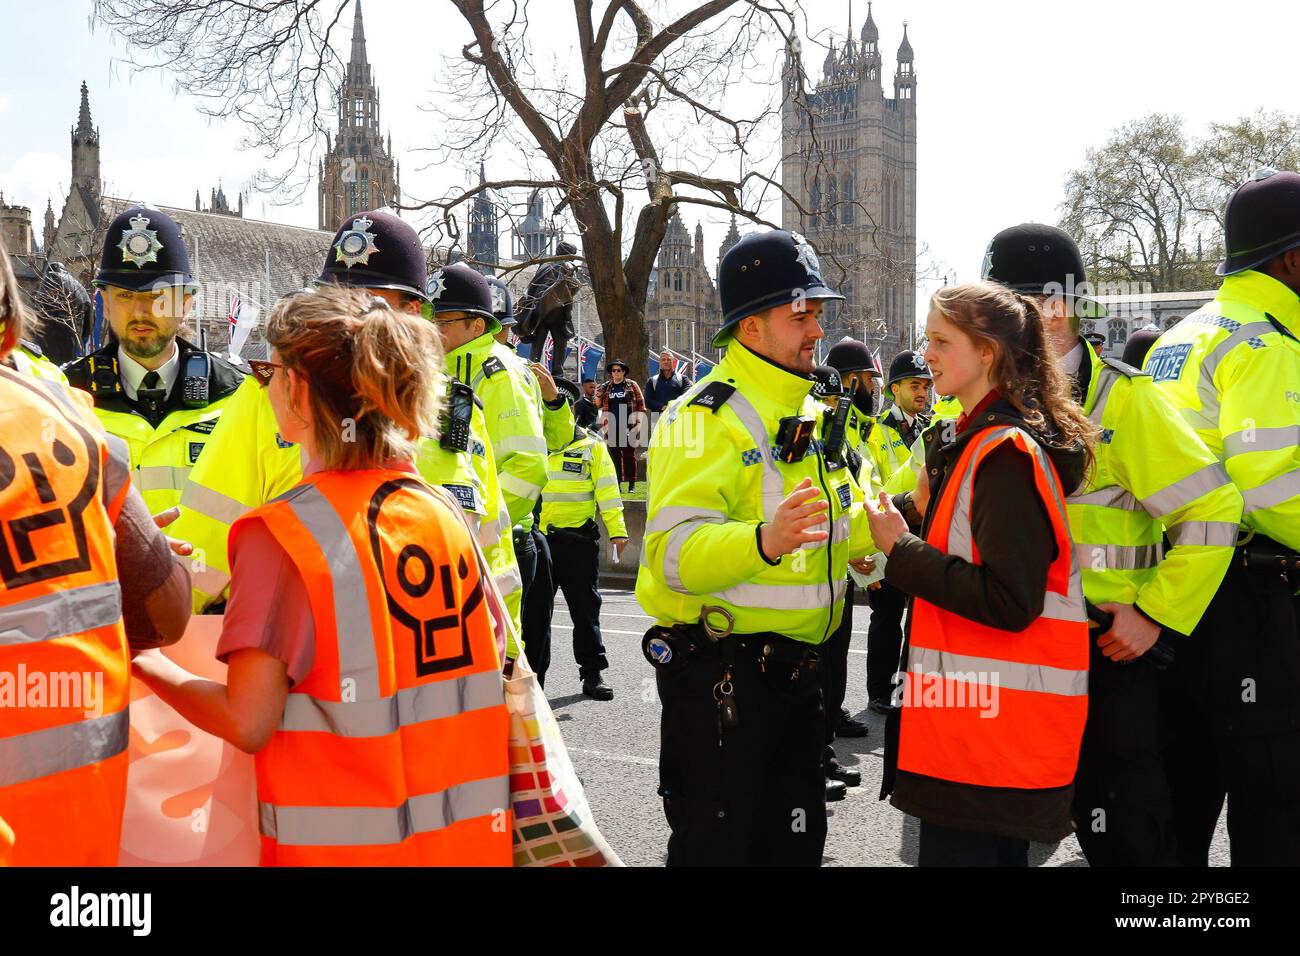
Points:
[437,286]
[918,360]
[806,256]
[498,300]
[986,269]
[356,245]
[139,244]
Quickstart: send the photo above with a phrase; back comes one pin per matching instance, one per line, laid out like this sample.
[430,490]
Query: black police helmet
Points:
[503,303]
[766,269]
[568,390]
[1262,221]
[1095,339]
[376,250]
[826,383]
[849,355]
[908,364]
[619,363]
[143,249]
[1139,344]
[458,288]
[1034,259]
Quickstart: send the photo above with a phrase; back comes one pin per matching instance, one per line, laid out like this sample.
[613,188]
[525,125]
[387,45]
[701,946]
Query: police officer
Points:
[1231,369]
[503,307]
[1152,473]
[247,462]
[888,443]
[580,479]
[29,359]
[159,393]
[749,531]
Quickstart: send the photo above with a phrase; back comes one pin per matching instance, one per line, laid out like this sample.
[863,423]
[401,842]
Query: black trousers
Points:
[624,462]
[1235,704]
[1123,809]
[835,674]
[944,846]
[884,639]
[753,794]
[575,569]
[534,557]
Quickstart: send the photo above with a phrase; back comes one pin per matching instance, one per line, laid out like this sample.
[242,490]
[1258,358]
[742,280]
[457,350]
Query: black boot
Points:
[597,689]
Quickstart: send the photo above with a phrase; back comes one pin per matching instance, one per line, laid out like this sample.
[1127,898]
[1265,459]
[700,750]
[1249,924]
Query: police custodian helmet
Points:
[766,269]
[142,250]
[826,383]
[503,303]
[568,390]
[458,288]
[908,364]
[1262,221]
[849,355]
[1035,259]
[376,250]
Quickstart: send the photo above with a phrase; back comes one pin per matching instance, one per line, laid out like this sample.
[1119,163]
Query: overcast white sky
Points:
[1010,95]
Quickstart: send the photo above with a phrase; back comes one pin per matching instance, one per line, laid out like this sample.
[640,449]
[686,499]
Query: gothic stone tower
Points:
[682,303]
[849,154]
[358,172]
[484,235]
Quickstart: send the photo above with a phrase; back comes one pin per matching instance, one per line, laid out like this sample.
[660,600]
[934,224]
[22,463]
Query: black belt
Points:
[1262,553]
[669,647]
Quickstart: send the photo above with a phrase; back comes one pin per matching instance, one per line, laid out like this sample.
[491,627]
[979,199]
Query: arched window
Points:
[887,203]
[815,202]
[898,206]
[677,282]
[832,197]
[688,282]
[847,192]
[1116,333]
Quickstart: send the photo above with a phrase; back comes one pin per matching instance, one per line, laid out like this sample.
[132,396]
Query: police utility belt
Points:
[1260,553]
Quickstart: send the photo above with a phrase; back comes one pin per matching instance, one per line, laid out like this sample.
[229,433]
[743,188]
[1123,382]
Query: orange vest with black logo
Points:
[394,750]
[989,707]
[64,662]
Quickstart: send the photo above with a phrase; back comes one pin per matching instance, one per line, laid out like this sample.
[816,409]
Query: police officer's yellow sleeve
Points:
[1156,456]
[1259,419]
[557,425]
[515,425]
[241,467]
[905,475]
[608,500]
[691,537]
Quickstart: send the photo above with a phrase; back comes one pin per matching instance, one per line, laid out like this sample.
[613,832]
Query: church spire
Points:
[358,38]
[84,126]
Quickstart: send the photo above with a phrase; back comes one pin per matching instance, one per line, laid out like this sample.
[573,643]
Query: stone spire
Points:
[84,126]
[358,37]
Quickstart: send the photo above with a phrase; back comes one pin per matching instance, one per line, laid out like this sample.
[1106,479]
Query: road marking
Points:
[616,758]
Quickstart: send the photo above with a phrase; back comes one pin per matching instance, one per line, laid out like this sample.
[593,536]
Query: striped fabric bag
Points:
[553,824]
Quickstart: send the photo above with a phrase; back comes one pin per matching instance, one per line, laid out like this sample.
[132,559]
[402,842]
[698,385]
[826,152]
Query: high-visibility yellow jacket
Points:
[247,464]
[512,408]
[580,477]
[162,456]
[28,359]
[1151,474]
[888,450]
[557,424]
[1232,369]
[714,479]
[946,409]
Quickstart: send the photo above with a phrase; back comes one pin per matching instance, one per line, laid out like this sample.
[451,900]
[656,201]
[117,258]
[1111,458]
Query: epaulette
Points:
[1128,371]
[491,365]
[713,396]
[32,347]
[1282,329]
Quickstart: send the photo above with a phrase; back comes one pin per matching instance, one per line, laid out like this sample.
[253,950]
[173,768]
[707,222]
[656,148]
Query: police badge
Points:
[139,244]
[806,256]
[437,286]
[355,246]
[498,300]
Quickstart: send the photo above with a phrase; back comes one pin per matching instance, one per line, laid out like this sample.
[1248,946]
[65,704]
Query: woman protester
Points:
[363,667]
[984,749]
[622,403]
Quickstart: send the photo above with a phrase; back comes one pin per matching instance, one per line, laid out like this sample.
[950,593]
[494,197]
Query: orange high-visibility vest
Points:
[394,750]
[989,707]
[64,662]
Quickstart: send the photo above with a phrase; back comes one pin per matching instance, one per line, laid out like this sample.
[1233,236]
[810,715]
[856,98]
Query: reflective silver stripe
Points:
[519,444]
[565,476]
[213,504]
[1199,421]
[411,706]
[384,826]
[552,496]
[1066,607]
[43,753]
[843,528]
[1013,675]
[673,551]
[609,481]
[1221,534]
[161,477]
[671,516]
[356,645]
[508,581]
[1261,439]
[1186,490]
[60,613]
[117,472]
[1112,496]
[1116,557]
[1273,492]
[513,484]
[489,532]
[783,597]
[959,526]
[1106,380]
[773,483]
[1205,388]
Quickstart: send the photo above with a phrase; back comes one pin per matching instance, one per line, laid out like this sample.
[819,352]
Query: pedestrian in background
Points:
[331,620]
[995,694]
[621,402]
[667,385]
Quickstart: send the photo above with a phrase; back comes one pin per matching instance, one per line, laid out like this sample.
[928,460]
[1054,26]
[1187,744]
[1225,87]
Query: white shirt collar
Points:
[132,372]
[1073,358]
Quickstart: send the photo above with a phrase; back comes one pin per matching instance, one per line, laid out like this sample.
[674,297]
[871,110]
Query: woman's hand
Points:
[162,519]
[887,524]
[921,493]
[788,528]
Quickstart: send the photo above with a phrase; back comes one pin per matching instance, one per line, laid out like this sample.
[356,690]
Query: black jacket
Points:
[1013,534]
[659,391]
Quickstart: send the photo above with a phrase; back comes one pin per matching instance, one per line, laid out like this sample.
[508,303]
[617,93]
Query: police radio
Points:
[836,424]
[195,380]
[456,419]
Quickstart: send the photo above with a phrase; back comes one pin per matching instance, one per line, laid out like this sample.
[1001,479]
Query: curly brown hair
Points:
[1024,369]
